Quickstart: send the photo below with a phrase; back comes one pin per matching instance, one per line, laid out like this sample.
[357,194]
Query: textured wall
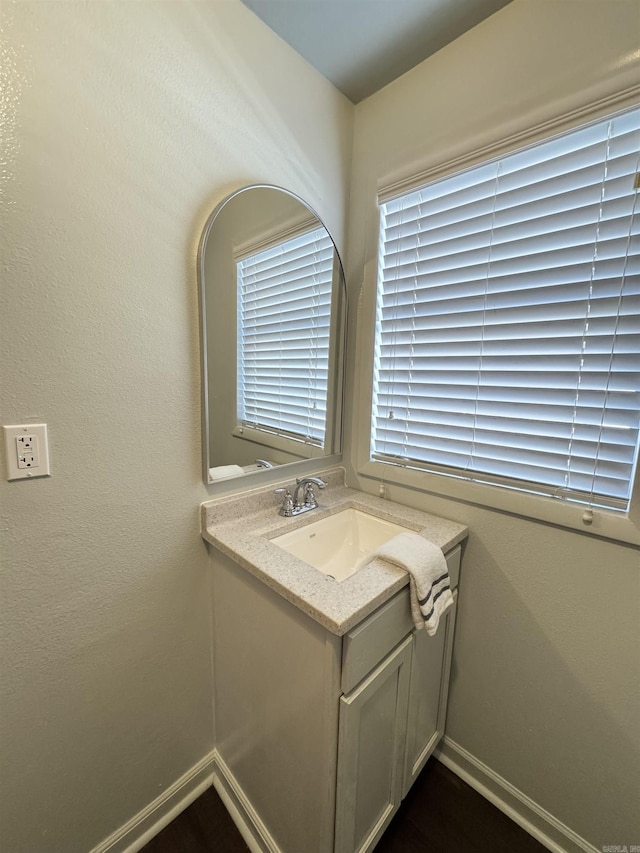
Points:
[124,123]
[545,686]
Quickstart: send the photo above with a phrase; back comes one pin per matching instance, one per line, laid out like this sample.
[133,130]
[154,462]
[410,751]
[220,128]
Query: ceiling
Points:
[361,45]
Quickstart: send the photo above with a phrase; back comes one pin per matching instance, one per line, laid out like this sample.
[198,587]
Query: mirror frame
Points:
[300,467]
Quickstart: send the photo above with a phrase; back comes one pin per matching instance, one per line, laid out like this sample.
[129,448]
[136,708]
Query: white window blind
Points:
[284,313]
[508,320]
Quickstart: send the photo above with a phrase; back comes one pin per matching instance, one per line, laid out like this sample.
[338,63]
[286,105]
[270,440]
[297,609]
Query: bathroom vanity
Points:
[327,702]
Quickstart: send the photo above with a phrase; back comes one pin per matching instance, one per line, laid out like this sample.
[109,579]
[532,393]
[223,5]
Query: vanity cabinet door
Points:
[373,719]
[429,690]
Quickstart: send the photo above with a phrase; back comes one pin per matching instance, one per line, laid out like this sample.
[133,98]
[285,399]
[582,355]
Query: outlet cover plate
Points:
[27,451]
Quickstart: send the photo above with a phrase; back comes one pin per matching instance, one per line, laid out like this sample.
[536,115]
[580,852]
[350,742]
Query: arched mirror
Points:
[273,319]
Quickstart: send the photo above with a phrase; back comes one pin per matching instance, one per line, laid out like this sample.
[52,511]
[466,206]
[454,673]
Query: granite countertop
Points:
[242,526]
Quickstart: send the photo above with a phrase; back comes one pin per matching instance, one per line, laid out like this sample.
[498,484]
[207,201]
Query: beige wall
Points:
[545,687]
[125,123]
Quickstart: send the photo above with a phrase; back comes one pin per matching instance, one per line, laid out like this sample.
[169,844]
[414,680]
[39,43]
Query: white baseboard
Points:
[255,833]
[142,827]
[542,825]
[212,770]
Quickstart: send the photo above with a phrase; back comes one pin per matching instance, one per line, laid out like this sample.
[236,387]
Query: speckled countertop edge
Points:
[241,527]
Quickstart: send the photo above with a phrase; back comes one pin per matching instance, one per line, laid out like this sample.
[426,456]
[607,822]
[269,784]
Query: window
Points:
[507,345]
[284,313]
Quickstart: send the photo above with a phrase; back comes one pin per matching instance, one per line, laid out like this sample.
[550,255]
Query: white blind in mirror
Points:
[284,313]
[508,321]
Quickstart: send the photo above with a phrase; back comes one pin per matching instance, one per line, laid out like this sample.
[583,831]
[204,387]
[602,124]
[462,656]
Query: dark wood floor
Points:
[441,814]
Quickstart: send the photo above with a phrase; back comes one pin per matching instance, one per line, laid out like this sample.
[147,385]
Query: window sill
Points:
[274,441]
[607,524]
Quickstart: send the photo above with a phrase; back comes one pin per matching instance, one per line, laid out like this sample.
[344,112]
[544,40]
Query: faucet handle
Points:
[310,496]
[286,508]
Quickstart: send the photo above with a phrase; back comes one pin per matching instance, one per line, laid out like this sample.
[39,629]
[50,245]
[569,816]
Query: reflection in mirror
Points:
[273,323]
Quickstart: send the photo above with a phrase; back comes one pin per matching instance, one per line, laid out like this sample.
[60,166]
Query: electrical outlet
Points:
[27,451]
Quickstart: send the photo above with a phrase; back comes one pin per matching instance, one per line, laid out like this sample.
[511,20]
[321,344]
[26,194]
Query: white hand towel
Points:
[430,585]
[224,472]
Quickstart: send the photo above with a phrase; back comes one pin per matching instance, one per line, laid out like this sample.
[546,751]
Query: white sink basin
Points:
[339,545]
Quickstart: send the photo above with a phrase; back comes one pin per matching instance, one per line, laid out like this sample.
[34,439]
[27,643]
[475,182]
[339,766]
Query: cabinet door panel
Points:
[430,667]
[371,753]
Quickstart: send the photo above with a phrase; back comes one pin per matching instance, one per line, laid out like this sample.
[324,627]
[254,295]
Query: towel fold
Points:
[223,472]
[430,585]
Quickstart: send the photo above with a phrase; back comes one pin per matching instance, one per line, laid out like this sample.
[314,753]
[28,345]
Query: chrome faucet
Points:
[303,498]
